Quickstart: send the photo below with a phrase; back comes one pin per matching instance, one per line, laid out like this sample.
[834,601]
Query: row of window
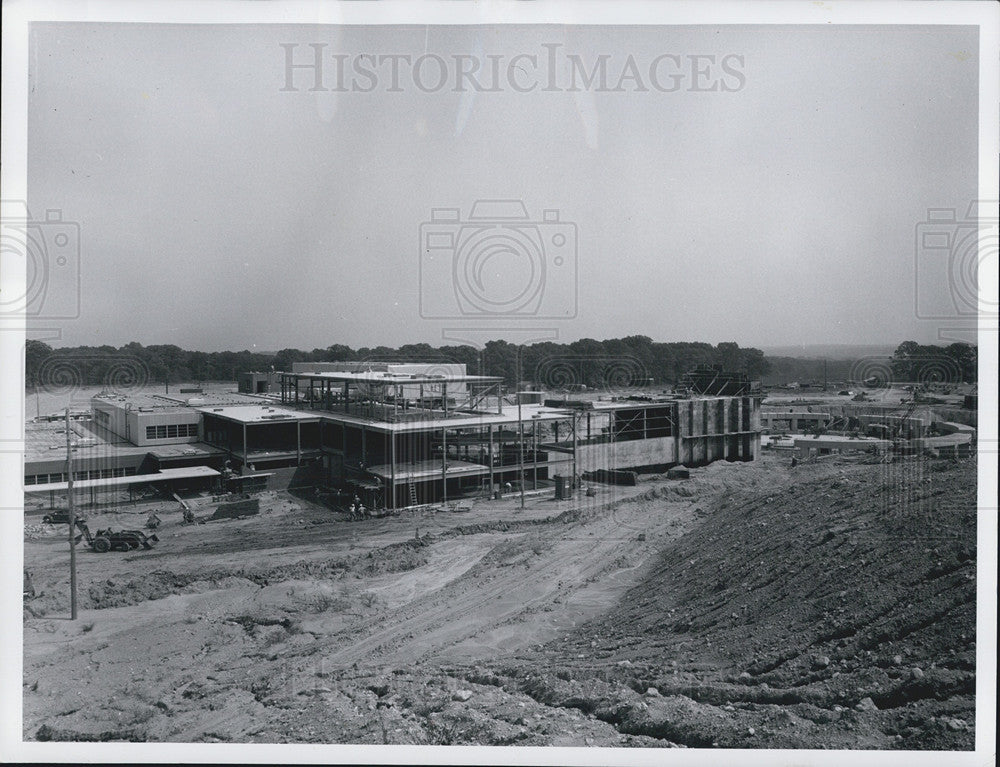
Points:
[44,479]
[169,431]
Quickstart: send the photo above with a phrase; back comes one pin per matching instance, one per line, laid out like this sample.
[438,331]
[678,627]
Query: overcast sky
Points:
[220,210]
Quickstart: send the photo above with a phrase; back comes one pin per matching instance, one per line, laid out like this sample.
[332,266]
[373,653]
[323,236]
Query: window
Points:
[172,431]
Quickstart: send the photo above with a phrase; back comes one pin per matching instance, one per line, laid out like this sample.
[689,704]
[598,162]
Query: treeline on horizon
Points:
[630,361]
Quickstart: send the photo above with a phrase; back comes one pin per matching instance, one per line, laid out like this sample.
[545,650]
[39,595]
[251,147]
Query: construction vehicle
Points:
[114,540]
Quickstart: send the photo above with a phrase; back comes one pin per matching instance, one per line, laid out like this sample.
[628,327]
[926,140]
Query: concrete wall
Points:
[705,430]
[622,455]
[251,382]
[139,421]
[716,428]
[111,416]
[130,424]
[133,463]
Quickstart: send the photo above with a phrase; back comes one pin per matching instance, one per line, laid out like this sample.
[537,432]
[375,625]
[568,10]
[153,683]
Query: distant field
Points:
[45,402]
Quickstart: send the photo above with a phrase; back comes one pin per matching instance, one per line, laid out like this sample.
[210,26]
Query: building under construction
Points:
[396,435]
[414,438]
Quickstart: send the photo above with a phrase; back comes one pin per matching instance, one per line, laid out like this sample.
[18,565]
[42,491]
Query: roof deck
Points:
[256,414]
[163,475]
[393,379]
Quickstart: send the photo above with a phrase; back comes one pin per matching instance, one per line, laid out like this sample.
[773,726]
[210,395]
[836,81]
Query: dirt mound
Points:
[117,592]
[852,593]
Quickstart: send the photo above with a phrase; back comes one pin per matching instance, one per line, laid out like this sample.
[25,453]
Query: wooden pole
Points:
[72,520]
[520,446]
[444,463]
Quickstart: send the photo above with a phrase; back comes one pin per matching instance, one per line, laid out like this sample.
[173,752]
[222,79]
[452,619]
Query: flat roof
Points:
[258,413]
[508,417]
[191,472]
[173,403]
[371,377]
[584,404]
[46,441]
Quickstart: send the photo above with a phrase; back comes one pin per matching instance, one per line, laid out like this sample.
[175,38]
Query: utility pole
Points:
[72,520]
[520,427]
[572,484]
[520,444]
[444,464]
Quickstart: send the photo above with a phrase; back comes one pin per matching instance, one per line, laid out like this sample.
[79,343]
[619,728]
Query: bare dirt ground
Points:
[829,605]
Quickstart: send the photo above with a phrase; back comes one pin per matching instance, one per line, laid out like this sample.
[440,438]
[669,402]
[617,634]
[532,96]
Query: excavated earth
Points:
[827,605]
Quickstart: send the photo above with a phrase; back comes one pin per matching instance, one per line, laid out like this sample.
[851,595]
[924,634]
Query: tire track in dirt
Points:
[545,568]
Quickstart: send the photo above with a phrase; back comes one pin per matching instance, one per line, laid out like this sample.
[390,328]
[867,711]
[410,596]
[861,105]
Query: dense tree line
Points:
[955,363]
[635,360]
[910,363]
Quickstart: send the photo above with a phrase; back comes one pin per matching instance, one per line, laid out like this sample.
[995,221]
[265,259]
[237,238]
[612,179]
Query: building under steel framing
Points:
[401,439]
[414,439]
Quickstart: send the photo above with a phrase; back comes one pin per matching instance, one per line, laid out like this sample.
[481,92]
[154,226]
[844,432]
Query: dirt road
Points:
[495,626]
